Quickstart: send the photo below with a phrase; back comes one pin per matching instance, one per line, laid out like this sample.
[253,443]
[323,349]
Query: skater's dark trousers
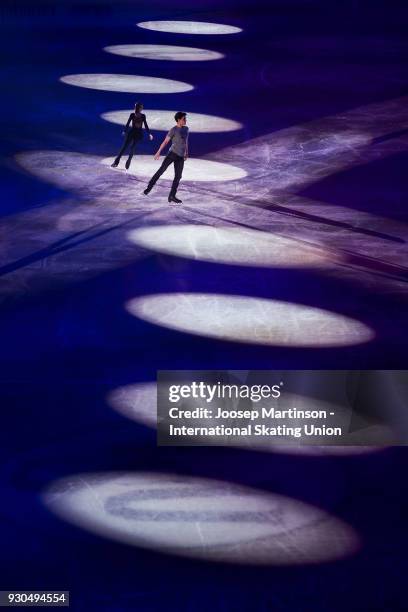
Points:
[171,158]
[131,140]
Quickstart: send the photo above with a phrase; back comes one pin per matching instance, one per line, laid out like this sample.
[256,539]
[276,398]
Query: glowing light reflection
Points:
[231,245]
[165,52]
[251,320]
[200,170]
[127,83]
[189,27]
[201,518]
[164,120]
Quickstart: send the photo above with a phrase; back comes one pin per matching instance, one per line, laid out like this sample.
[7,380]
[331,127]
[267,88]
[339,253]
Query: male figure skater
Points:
[177,154]
[134,135]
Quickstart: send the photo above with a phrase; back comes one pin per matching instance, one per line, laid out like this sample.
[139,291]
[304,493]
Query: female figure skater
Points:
[134,134]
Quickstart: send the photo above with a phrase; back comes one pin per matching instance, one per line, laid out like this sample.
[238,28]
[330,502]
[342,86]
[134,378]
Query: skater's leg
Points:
[126,141]
[169,159]
[178,171]
[131,152]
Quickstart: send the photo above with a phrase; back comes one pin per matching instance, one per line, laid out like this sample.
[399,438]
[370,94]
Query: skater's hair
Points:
[138,107]
[179,115]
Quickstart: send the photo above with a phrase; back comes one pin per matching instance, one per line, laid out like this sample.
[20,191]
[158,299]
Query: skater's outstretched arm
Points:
[125,129]
[147,127]
[160,149]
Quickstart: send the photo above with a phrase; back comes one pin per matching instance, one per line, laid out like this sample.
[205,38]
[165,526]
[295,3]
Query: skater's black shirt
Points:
[138,120]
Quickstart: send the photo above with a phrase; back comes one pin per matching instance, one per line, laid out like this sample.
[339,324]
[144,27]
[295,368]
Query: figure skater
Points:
[177,154]
[133,135]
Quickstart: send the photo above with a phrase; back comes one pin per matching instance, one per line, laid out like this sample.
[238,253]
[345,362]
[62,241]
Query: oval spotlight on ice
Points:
[231,245]
[239,318]
[189,27]
[200,170]
[201,518]
[165,52]
[126,83]
[164,119]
